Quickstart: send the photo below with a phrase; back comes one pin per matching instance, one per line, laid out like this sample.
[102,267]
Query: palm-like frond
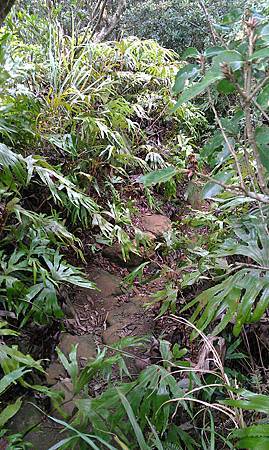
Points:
[60,272]
[242,297]
[63,191]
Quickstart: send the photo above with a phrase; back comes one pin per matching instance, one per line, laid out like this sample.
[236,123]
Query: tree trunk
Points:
[5,7]
[107,29]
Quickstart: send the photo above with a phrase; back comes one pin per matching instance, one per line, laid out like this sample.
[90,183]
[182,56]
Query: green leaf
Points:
[62,442]
[255,437]
[196,89]
[232,17]
[212,189]
[263,97]
[187,72]
[264,31]
[191,52]
[213,51]
[213,144]
[250,402]
[72,366]
[11,377]
[231,57]
[136,273]
[260,54]
[262,135]
[225,87]
[7,331]
[264,155]
[88,438]
[9,412]
[158,176]
[262,139]
[244,296]
[253,443]
[137,430]
[253,430]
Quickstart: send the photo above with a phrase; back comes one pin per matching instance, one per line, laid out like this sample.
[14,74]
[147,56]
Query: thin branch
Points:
[227,142]
[233,188]
[258,88]
[100,17]
[250,30]
[5,7]
[259,107]
[95,13]
[89,27]
[206,13]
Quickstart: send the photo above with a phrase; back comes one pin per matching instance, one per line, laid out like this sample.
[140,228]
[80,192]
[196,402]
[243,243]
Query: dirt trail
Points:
[98,318]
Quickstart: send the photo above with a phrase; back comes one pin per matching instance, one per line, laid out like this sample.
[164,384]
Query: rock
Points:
[155,224]
[107,283]
[123,313]
[55,372]
[68,405]
[141,299]
[26,417]
[126,320]
[114,254]
[110,303]
[86,346]
[44,436]
[114,333]
[69,312]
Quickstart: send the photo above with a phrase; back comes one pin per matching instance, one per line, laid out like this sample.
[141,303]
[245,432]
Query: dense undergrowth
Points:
[90,135]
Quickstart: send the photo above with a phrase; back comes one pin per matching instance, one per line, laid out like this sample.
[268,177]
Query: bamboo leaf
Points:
[9,412]
[137,430]
[11,377]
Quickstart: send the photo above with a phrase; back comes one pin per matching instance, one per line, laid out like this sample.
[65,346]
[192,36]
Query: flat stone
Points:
[44,435]
[110,303]
[156,224]
[55,372]
[86,346]
[68,405]
[114,254]
[133,326]
[114,333]
[123,313]
[106,282]
[141,299]
[26,417]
